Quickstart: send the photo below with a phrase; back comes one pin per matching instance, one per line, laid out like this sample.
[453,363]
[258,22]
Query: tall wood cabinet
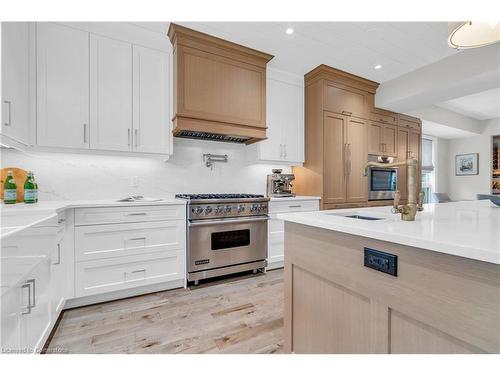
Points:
[342,127]
[336,138]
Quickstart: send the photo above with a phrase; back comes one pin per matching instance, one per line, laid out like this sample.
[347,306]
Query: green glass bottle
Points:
[30,190]
[9,189]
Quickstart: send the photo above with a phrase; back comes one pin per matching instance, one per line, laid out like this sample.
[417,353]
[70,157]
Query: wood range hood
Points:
[219,88]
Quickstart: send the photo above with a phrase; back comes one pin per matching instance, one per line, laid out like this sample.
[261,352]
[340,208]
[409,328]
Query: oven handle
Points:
[228,221]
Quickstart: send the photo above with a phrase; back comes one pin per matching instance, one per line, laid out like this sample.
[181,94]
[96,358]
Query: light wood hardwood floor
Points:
[238,315]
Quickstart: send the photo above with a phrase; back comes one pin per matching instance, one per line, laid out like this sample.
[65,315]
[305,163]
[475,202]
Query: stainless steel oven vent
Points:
[211,136]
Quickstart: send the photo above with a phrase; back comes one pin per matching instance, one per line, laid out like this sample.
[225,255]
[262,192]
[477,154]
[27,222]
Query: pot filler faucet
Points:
[408,211]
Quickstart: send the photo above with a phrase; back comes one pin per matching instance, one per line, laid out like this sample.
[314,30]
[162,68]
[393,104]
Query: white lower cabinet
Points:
[276,231]
[98,253]
[113,274]
[127,247]
[26,318]
[36,319]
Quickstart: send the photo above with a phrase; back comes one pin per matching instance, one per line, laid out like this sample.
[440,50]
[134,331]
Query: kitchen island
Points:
[381,285]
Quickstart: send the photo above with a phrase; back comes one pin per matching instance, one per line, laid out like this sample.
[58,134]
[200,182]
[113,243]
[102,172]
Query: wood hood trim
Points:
[180,35]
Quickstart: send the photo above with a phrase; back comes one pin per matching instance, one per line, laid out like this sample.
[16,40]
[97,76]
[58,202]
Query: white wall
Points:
[65,176]
[466,187]
[442,160]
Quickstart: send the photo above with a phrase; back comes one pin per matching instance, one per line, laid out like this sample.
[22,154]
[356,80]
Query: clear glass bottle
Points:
[30,189]
[9,189]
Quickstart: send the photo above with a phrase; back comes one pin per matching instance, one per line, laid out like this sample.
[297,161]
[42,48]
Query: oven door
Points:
[224,242]
[382,183]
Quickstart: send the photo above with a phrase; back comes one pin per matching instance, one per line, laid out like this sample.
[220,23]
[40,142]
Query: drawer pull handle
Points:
[58,254]
[295,206]
[137,239]
[28,306]
[137,214]
[137,271]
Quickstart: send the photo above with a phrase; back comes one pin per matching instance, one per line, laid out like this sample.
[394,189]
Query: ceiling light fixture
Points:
[469,34]
[378,66]
[289,31]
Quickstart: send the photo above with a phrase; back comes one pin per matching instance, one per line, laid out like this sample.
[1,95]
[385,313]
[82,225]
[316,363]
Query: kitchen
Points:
[202,188]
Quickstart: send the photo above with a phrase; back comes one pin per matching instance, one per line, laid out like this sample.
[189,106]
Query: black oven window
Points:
[229,239]
[383,180]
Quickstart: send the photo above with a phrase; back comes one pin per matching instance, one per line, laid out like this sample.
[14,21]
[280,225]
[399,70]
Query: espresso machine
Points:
[279,184]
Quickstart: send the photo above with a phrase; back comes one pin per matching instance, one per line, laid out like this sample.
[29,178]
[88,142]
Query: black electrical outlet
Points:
[380,261]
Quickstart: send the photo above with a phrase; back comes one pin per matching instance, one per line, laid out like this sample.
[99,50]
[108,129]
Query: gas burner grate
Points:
[218,196]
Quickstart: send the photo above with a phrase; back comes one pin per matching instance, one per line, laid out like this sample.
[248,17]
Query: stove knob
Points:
[198,210]
[253,208]
[241,208]
[227,209]
[208,210]
[219,210]
[261,208]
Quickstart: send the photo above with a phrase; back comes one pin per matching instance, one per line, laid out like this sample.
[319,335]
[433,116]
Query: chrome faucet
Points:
[408,211]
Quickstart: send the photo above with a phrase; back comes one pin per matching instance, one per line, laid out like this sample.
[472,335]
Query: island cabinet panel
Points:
[319,311]
[437,303]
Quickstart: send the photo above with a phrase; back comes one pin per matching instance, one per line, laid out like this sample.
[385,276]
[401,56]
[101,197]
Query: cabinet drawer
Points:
[108,275]
[293,206]
[115,240]
[109,215]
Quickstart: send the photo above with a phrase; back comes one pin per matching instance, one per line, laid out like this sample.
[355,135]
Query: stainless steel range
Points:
[226,233]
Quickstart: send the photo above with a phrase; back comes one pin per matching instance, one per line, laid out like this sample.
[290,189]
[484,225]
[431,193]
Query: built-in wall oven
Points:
[382,182]
[226,233]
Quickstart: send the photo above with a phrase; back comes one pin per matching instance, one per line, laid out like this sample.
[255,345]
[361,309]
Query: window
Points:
[428,170]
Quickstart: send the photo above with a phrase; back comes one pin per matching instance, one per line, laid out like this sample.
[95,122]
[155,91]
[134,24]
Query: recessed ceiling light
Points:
[289,31]
[378,66]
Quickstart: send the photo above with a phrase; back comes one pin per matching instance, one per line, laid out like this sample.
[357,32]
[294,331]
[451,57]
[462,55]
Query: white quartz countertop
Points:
[63,205]
[17,217]
[467,229]
[296,198]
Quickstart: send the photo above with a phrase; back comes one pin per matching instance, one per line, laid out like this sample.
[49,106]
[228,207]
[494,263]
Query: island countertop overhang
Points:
[469,229]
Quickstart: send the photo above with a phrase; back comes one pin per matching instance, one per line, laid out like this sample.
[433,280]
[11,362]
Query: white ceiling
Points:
[481,106]
[356,47]
[444,131]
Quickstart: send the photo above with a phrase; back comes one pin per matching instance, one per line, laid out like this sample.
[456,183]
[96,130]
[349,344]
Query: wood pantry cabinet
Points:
[219,86]
[342,127]
[337,115]
[344,145]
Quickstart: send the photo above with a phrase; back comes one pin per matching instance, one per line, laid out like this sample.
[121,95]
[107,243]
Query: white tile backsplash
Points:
[70,176]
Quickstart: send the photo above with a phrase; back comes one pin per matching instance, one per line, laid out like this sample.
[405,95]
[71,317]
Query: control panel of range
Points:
[227,209]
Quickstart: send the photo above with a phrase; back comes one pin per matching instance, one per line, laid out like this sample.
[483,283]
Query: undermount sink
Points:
[355,215]
[361,217]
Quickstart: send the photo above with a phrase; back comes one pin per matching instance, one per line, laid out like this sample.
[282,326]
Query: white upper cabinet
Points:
[62,86]
[285,118]
[110,94]
[152,124]
[16,81]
